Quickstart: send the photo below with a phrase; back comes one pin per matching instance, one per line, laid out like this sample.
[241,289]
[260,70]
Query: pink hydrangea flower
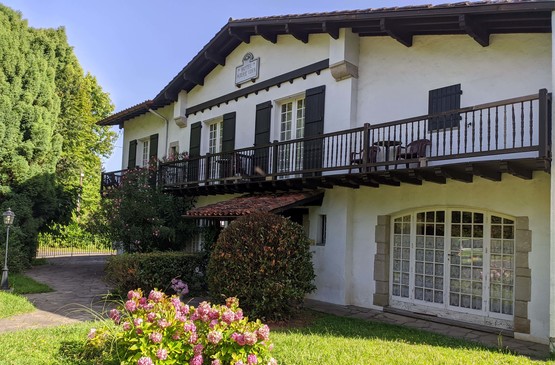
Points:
[240,362]
[196,360]
[239,338]
[250,338]
[151,317]
[126,326]
[214,337]
[189,326]
[176,335]
[139,331]
[163,323]
[132,294]
[272,361]
[213,323]
[131,306]
[216,362]
[155,337]
[91,334]
[162,354]
[155,295]
[145,360]
[252,359]
[137,322]
[115,315]
[263,333]
[197,350]
[228,316]
[193,338]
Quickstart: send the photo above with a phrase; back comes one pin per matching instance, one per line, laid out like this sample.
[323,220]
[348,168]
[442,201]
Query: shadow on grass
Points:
[330,325]
[74,352]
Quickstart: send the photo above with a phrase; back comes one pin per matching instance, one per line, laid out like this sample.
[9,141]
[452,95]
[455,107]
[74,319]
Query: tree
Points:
[48,135]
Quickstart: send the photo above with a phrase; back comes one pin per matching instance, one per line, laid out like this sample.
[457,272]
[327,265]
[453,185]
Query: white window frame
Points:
[290,157]
[410,303]
[145,152]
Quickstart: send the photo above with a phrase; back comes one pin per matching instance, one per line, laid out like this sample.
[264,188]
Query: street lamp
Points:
[8,221]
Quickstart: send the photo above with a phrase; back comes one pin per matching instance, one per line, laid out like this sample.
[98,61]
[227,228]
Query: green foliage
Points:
[13,304]
[264,260]
[72,235]
[143,218]
[162,330]
[153,270]
[48,135]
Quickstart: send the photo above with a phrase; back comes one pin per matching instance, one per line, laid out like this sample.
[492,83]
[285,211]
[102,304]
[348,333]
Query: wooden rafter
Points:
[297,32]
[265,33]
[402,36]
[477,31]
[215,57]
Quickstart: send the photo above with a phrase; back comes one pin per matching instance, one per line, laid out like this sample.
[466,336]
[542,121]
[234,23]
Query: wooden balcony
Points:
[509,136]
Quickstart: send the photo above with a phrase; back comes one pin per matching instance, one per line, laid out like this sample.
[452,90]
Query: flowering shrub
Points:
[263,259]
[163,330]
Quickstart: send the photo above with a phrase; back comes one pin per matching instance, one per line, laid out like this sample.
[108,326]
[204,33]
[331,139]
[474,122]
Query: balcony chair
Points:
[357,158]
[414,150]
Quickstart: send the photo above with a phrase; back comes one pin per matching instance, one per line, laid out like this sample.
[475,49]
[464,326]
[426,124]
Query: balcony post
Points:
[273,169]
[544,119]
[207,167]
[365,145]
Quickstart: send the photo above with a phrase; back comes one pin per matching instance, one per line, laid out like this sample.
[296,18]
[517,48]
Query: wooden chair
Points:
[357,157]
[414,150]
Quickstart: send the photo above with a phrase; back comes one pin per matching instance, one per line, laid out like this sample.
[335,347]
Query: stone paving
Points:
[531,349]
[78,294]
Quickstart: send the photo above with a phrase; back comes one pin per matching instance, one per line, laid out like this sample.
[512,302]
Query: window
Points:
[173,153]
[145,153]
[292,113]
[215,127]
[322,227]
[215,136]
[457,259]
[196,244]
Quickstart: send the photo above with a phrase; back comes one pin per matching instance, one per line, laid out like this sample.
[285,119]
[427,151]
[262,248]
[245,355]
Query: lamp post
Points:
[8,221]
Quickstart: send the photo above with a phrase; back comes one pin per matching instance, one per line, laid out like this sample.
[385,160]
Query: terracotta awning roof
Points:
[249,204]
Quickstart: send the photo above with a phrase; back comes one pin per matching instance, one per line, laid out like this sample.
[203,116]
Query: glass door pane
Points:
[429,256]
[401,256]
[466,258]
[502,266]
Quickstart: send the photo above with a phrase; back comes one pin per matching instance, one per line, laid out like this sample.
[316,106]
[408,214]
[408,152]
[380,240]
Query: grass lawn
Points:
[327,340]
[22,284]
[12,304]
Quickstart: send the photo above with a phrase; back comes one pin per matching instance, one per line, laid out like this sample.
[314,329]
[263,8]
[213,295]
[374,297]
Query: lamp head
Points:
[8,217]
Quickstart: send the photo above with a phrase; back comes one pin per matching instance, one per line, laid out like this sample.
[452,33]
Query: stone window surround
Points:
[523,273]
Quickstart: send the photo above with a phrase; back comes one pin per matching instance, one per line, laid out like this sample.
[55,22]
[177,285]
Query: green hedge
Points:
[154,270]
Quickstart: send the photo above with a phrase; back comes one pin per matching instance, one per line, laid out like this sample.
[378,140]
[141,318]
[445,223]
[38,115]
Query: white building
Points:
[327,104]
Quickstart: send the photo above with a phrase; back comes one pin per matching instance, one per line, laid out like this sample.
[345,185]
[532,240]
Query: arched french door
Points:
[454,261]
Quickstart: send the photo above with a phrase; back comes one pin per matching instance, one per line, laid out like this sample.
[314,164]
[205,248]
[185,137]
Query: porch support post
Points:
[552,218]
[381,261]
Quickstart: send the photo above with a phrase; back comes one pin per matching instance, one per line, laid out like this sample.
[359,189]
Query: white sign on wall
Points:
[248,70]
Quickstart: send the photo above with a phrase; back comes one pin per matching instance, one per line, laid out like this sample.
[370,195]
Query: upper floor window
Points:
[145,152]
[292,119]
[215,128]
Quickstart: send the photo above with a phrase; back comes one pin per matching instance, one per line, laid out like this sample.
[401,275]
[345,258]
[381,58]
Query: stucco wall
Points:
[511,196]
[395,80]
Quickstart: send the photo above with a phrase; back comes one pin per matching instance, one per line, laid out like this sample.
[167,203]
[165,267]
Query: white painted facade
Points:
[393,83]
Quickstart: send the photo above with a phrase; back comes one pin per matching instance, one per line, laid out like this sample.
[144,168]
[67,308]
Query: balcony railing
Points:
[508,129]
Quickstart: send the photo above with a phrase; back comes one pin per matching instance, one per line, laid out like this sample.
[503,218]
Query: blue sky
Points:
[135,48]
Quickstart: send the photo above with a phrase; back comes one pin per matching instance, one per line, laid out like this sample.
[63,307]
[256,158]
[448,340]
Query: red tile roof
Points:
[249,204]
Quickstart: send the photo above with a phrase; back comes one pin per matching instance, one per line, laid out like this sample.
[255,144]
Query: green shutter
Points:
[132,159]
[228,133]
[153,148]
[313,151]
[262,123]
[443,100]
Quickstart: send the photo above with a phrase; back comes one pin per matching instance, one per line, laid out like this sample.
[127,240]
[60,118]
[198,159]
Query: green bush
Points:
[153,270]
[72,235]
[264,260]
